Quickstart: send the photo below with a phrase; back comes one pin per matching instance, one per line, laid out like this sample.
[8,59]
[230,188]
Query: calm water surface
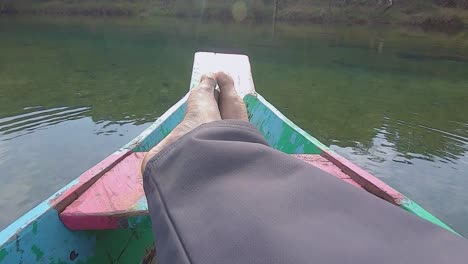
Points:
[394,101]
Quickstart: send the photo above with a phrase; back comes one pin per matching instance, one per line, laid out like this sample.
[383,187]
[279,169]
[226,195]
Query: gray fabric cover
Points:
[220,195]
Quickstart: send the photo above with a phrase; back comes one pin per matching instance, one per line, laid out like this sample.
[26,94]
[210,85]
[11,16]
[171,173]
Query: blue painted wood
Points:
[46,240]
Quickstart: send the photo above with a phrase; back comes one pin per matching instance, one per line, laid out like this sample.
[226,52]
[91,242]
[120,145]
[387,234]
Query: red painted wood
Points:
[352,182]
[113,197]
[85,180]
[368,181]
[323,164]
[90,222]
[327,166]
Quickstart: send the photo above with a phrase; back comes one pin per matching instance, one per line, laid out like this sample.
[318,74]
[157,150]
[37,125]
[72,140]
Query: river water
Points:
[394,101]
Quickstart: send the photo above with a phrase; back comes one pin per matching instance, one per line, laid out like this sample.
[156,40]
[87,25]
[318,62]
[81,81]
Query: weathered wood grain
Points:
[368,181]
[115,196]
[237,66]
[118,195]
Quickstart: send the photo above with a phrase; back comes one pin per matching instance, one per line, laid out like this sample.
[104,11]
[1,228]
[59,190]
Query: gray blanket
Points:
[221,195]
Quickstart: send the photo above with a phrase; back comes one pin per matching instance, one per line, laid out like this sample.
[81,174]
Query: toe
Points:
[226,82]
[230,104]
[202,106]
[207,83]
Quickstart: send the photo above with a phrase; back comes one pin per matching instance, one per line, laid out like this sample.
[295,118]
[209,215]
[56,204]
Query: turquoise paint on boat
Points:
[3,254]
[51,242]
[279,131]
[27,220]
[416,209]
[142,204]
[38,253]
[34,227]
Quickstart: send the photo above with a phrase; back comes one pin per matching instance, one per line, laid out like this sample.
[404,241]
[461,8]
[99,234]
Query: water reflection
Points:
[401,142]
[24,124]
[428,177]
[36,163]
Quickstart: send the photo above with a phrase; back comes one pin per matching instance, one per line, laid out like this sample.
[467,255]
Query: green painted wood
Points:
[48,241]
[280,132]
[416,209]
[123,245]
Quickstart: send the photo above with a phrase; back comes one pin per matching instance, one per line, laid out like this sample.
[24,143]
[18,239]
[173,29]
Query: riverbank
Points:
[440,15]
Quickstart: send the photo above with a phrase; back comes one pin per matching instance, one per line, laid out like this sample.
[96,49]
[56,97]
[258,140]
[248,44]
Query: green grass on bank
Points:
[436,14]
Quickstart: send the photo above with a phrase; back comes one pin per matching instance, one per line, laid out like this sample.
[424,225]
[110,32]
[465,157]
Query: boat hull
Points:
[40,235]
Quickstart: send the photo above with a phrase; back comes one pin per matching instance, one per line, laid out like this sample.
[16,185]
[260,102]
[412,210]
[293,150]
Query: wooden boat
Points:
[102,216]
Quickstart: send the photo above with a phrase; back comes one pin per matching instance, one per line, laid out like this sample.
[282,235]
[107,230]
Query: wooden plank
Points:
[28,239]
[327,166]
[62,199]
[368,181]
[118,195]
[115,196]
[236,65]
[352,182]
[323,164]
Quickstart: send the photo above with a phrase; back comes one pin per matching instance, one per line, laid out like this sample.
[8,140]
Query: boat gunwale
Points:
[368,181]
[63,197]
[70,192]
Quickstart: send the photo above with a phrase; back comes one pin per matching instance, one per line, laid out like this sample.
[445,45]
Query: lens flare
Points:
[239,11]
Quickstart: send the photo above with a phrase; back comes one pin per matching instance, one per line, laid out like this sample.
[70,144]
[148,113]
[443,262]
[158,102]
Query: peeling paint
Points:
[59,262]
[280,132]
[37,252]
[34,228]
[3,254]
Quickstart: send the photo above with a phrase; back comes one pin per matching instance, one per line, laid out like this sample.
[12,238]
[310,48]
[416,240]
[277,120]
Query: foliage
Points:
[431,14]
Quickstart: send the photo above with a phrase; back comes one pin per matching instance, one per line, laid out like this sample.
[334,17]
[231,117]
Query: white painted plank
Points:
[236,65]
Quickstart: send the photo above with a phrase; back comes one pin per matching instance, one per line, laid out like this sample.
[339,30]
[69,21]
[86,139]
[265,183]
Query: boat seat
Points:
[117,198]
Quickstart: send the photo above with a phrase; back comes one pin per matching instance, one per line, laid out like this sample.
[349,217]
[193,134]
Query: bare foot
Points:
[231,105]
[202,107]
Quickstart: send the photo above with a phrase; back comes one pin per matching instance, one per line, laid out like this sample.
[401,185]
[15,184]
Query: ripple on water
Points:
[23,124]
[407,143]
